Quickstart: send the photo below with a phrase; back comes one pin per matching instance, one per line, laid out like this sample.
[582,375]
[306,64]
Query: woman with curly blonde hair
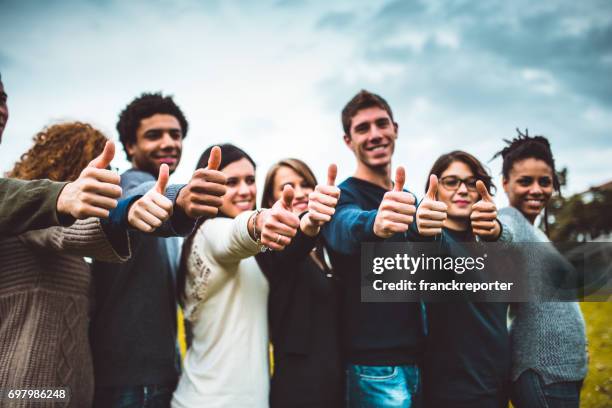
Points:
[45,283]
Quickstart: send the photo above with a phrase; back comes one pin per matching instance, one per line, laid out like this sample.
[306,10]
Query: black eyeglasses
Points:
[454,182]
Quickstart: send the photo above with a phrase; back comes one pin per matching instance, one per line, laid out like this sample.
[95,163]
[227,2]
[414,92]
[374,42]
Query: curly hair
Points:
[60,152]
[525,147]
[145,106]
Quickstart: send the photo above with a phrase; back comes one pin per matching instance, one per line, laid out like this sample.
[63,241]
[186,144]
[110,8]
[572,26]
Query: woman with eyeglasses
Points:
[467,356]
[549,359]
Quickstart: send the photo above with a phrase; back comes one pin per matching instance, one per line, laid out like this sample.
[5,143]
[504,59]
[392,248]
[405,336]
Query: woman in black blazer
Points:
[303,304]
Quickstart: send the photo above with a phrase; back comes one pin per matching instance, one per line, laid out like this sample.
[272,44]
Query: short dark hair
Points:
[363,100]
[479,170]
[525,147]
[145,106]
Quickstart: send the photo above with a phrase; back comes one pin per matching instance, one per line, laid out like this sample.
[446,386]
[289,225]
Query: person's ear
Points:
[505,184]
[347,140]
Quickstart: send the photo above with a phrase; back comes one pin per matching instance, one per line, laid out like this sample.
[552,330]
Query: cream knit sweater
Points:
[227,298]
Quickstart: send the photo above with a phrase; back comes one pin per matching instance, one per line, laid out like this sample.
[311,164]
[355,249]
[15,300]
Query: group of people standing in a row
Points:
[287,273]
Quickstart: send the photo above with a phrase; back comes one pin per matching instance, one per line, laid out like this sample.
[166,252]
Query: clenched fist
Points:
[96,190]
[278,225]
[431,213]
[321,204]
[202,196]
[150,211]
[484,215]
[396,211]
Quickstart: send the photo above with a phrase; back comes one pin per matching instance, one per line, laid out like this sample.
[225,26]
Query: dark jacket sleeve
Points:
[29,205]
[275,263]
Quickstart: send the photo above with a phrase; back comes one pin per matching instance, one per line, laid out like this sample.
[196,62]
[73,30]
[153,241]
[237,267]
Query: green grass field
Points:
[597,391]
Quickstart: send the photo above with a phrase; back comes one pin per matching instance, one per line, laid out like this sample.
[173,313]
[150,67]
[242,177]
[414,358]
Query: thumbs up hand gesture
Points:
[151,210]
[484,215]
[202,196]
[321,204]
[431,213]
[396,211]
[278,225]
[96,190]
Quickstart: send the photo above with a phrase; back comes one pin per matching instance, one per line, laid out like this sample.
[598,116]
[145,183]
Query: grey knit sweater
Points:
[45,288]
[547,337]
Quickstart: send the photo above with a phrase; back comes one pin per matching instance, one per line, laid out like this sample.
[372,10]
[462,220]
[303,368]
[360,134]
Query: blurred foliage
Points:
[581,217]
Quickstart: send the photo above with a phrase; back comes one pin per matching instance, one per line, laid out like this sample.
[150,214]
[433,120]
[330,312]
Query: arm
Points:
[349,227]
[83,238]
[27,205]
[228,241]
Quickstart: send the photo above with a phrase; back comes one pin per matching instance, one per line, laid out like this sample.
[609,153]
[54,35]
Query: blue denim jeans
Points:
[140,396]
[383,386]
[529,391]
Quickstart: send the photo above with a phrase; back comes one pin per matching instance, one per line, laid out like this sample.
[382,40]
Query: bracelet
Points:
[257,234]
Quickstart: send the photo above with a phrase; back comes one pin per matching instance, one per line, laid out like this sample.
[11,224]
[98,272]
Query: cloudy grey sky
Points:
[272,76]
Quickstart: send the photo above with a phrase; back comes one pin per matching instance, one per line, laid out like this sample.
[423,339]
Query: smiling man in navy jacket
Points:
[383,342]
[133,330]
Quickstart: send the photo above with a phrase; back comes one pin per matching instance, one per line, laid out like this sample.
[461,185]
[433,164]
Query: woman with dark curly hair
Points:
[45,283]
[549,359]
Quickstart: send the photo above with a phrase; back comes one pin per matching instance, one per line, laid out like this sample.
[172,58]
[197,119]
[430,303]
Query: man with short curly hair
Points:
[133,332]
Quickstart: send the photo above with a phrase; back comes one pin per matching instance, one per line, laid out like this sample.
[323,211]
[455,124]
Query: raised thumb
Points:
[400,179]
[332,172]
[432,191]
[162,179]
[287,198]
[105,158]
[482,190]
[214,161]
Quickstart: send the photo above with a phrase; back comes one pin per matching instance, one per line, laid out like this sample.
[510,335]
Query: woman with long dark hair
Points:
[303,301]
[467,356]
[225,293]
[549,360]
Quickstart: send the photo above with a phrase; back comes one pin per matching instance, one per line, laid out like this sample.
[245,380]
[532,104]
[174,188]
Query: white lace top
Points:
[226,301]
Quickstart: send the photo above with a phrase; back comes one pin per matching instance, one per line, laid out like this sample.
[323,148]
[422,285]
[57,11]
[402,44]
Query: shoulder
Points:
[135,175]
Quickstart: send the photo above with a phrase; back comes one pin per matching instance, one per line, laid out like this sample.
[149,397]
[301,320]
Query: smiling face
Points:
[159,139]
[458,195]
[372,138]
[286,176]
[241,189]
[529,186]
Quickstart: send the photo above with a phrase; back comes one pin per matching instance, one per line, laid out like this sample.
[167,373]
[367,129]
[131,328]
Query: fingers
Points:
[287,198]
[162,179]
[214,161]
[399,196]
[484,193]
[332,172]
[105,158]
[432,191]
[400,179]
